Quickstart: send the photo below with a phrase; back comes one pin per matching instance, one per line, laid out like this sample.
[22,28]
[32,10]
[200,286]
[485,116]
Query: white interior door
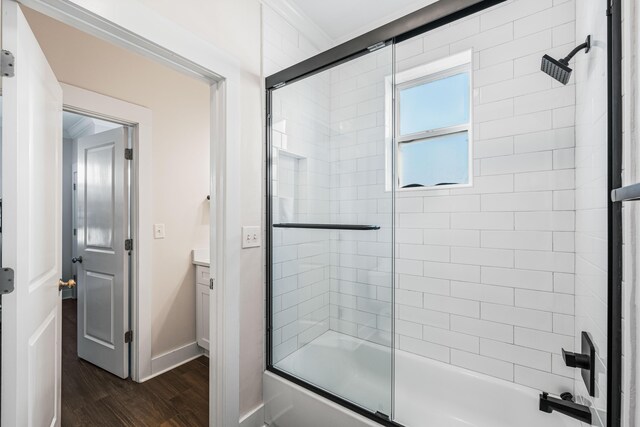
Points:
[102,270]
[32,246]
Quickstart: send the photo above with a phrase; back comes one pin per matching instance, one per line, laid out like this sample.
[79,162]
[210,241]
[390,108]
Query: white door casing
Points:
[32,245]
[102,223]
[74,225]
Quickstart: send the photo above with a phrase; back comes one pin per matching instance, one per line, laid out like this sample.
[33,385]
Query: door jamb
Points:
[140,119]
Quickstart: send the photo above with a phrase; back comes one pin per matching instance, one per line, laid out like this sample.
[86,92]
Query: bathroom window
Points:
[433,124]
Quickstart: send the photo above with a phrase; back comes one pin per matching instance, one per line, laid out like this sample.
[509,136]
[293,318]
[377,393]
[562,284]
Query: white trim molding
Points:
[174,358]
[254,418]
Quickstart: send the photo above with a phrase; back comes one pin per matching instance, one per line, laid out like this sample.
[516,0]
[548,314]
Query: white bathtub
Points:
[427,393]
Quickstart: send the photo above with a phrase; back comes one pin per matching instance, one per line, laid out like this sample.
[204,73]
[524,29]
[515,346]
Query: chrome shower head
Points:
[559,69]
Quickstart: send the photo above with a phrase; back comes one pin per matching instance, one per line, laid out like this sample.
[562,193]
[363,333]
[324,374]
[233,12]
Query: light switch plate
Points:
[158,231]
[251,237]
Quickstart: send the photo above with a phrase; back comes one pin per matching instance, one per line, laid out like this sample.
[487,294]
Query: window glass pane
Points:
[436,104]
[435,161]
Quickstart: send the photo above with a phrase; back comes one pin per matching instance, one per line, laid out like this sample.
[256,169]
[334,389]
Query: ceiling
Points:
[70,119]
[342,20]
[74,125]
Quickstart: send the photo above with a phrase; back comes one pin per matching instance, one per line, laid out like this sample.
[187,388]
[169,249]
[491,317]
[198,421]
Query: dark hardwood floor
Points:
[93,397]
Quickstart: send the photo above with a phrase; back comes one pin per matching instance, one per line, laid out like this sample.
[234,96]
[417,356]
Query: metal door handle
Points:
[74,260]
[68,284]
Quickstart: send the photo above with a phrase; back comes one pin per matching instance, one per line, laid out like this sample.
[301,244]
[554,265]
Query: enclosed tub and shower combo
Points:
[436,200]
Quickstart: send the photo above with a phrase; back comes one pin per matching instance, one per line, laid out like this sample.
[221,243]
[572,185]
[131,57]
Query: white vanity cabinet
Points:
[202,306]
[201,261]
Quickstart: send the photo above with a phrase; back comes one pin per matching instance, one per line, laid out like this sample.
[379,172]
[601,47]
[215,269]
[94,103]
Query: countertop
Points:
[200,257]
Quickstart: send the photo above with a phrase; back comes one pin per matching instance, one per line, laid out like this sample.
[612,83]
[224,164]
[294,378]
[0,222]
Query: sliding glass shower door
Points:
[437,220]
[331,206]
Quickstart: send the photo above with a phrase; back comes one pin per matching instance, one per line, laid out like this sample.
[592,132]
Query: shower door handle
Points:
[576,360]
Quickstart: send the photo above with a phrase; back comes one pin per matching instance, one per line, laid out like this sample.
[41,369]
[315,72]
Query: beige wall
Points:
[180,107]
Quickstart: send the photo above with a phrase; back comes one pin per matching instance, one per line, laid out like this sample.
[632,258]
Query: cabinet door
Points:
[202,315]
[202,275]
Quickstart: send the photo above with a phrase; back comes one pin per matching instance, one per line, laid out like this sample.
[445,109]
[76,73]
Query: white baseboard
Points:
[254,418]
[174,358]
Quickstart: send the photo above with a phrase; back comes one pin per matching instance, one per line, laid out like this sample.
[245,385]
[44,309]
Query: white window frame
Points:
[436,70]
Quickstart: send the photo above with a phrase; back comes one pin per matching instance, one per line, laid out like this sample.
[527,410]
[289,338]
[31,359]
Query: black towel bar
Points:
[328,226]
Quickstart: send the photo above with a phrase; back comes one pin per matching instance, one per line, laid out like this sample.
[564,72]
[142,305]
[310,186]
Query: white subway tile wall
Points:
[591,197]
[361,279]
[300,192]
[485,275]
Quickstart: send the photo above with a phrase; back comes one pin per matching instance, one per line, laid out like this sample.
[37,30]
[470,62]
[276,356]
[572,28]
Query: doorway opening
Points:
[107,320]
[158,350]
[95,234]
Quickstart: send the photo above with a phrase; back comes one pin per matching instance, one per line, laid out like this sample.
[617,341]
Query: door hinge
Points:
[75,231]
[7,64]
[128,245]
[128,153]
[6,281]
[211,283]
[128,337]
[74,186]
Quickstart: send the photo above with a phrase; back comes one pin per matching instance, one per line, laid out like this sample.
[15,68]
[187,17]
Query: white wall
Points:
[631,237]
[283,45]
[591,194]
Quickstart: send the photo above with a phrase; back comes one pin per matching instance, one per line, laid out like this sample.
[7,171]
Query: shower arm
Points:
[586,45]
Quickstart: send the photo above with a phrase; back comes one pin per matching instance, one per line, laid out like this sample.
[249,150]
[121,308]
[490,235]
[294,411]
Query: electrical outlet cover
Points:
[158,231]
[251,237]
